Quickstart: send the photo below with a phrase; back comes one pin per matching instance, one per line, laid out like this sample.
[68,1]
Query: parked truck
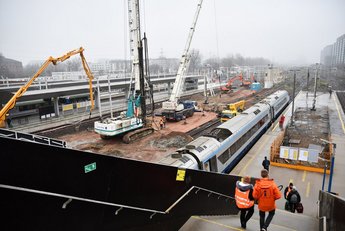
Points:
[233,110]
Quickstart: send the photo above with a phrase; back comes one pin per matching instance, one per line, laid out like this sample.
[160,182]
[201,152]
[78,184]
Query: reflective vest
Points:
[242,199]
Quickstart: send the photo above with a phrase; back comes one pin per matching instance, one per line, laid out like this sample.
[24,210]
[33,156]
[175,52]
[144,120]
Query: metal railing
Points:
[32,138]
[121,206]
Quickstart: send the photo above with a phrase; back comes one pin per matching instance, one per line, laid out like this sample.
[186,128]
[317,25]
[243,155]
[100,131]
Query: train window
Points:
[206,167]
[224,157]
[257,111]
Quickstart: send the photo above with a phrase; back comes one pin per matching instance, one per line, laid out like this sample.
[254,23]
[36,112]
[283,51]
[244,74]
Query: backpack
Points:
[293,198]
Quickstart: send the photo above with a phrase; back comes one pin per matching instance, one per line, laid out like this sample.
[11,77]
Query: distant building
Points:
[10,68]
[111,66]
[334,54]
[166,65]
[160,65]
[68,75]
[326,55]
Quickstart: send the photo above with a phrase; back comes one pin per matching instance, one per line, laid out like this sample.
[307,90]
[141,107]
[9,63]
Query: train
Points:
[222,148]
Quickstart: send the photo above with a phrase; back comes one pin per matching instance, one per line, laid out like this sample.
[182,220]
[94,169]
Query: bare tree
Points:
[195,60]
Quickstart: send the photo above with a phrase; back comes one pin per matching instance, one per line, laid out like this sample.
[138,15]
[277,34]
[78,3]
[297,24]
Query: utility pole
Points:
[307,82]
[315,87]
[293,99]
[110,99]
[99,99]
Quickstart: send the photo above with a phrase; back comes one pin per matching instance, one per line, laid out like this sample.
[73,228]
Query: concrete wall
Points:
[333,208]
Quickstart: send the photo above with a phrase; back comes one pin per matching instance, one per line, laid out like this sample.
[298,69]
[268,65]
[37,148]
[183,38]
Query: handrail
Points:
[32,138]
[70,198]
[324,218]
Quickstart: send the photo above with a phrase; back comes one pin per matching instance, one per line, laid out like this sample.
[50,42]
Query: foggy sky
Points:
[284,31]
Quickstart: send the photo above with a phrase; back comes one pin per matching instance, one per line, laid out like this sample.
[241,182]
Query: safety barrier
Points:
[299,158]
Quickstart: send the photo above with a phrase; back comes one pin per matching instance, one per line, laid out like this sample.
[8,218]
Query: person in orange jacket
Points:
[266,193]
[244,200]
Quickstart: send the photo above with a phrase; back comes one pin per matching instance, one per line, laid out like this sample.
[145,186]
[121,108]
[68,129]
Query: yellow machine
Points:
[10,104]
[233,110]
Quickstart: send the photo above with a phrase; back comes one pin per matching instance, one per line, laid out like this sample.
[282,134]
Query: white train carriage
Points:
[244,130]
[191,155]
[223,148]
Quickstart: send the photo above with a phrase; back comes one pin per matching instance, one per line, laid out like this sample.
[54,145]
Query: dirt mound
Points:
[172,140]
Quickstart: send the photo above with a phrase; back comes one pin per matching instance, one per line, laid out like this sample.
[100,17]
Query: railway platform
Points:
[308,183]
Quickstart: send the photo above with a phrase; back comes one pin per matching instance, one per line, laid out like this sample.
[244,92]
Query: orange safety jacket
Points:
[242,199]
[266,192]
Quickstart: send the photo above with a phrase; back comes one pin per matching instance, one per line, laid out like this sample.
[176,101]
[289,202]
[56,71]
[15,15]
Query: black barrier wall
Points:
[36,181]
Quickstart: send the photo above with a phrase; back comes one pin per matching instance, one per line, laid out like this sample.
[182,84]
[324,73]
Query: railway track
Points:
[204,128]
[196,132]
[207,127]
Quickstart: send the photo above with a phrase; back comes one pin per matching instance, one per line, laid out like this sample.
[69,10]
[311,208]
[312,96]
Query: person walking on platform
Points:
[294,198]
[287,190]
[266,193]
[266,164]
[244,200]
[281,122]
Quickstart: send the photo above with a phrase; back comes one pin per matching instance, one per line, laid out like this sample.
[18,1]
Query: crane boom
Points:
[11,103]
[176,92]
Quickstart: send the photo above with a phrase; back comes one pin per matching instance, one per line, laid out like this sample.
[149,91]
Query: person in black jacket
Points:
[288,190]
[294,198]
[266,164]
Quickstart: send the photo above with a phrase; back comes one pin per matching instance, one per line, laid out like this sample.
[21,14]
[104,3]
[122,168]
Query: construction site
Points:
[116,147]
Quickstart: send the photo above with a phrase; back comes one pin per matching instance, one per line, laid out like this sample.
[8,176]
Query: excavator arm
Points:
[12,102]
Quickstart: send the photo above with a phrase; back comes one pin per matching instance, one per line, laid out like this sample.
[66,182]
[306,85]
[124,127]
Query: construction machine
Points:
[228,87]
[233,110]
[133,123]
[174,109]
[11,103]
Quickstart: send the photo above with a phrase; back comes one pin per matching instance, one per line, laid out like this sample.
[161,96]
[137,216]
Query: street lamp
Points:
[315,87]
[293,99]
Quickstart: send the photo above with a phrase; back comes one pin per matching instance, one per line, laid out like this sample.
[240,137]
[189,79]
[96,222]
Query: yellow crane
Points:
[233,110]
[11,103]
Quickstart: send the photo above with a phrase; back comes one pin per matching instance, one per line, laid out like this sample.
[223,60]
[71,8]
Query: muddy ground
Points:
[162,142]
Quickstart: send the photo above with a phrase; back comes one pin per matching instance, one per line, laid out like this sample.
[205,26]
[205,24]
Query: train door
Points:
[272,113]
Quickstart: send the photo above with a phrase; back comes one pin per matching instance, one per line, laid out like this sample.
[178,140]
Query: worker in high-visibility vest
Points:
[244,200]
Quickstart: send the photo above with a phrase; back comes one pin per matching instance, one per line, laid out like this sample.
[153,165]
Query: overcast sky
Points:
[284,31]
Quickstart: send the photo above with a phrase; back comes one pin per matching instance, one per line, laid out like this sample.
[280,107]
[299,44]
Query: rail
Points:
[121,206]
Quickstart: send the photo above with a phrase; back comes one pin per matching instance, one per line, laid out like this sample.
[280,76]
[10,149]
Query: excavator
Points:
[11,103]
[246,83]
[233,110]
[228,86]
